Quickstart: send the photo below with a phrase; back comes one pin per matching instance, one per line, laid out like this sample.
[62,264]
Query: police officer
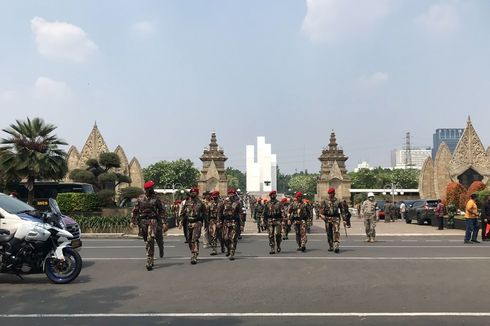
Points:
[151,214]
[331,213]
[230,221]
[368,214]
[299,213]
[273,215]
[193,213]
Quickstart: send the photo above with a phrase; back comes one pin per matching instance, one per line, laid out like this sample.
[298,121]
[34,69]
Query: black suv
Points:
[422,210]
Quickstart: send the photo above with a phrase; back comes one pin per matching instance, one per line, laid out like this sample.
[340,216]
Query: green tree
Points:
[166,173]
[101,173]
[282,181]
[304,182]
[31,152]
[378,178]
[236,178]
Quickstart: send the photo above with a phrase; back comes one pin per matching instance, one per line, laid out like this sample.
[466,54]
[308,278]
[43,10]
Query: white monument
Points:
[261,172]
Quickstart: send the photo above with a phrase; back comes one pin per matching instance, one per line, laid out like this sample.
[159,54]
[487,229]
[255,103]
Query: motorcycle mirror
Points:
[53,204]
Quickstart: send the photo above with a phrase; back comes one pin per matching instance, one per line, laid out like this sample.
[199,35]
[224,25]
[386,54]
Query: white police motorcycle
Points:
[40,245]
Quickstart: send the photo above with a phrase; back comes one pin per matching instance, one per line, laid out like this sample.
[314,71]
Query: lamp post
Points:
[174,185]
[394,189]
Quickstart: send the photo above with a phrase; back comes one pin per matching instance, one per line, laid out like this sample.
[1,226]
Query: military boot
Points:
[303,249]
[149,264]
[161,250]
[278,249]
[214,252]
[194,259]
[273,251]
[232,255]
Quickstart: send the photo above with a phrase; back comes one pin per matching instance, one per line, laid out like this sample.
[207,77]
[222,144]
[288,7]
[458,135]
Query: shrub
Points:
[131,192]
[106,224]
[77,202]
[453,194]
[482,196]
[106,198]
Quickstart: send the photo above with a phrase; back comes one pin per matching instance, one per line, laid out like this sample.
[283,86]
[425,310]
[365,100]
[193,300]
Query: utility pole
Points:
[408,152]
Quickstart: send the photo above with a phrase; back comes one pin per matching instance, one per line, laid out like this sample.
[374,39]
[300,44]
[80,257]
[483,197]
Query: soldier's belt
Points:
[147,217]
[229,218]
[194,219]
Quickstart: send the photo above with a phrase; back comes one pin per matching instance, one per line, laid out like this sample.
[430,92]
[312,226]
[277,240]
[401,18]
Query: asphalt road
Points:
[397,280]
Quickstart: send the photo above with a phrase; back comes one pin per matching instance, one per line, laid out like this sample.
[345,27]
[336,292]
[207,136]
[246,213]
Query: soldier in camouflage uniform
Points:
[230,220]
[299,213]
[368,214]
[151,214]
[258,214]
[213,220]
[193,213]
[331,213]
[206,199]
[286,226]
[273,215]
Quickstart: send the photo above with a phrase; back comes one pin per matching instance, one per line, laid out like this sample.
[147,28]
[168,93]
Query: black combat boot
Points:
[303,249]
[214,252]
[232,255]
[194,259]
[273,251]
[161,250]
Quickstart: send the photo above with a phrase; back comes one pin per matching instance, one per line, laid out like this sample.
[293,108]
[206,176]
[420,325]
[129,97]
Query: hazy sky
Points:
[159,76]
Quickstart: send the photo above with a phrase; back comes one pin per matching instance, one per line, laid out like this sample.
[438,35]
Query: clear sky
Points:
[159,76]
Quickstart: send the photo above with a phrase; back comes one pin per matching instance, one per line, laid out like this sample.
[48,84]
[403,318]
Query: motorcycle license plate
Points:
[76,243]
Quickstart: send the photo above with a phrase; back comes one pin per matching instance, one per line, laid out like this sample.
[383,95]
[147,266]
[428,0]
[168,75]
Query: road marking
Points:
[409,240]
[433,240]
[122,247]
[254,314]
[238,257]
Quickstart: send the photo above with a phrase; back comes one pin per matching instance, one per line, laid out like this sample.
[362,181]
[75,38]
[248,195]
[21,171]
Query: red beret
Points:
[259,200]
[149,184]
[298,194]
[195,189]
[178,201]
[215,194]
[231,191]
[284,200]
[331,190]
[273,192]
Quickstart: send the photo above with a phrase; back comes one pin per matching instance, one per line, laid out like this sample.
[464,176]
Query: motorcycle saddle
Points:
[5,235]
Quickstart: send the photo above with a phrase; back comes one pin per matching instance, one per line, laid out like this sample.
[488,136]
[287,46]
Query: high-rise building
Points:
[418,156]
[261,168]
[450,136]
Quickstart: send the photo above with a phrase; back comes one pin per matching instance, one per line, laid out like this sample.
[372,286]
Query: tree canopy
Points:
[168,173]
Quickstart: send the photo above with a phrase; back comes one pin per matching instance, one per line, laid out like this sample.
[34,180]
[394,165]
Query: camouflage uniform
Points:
[230,219]
[206,236]
[299,215]
[273,214]
[193,213]
[151,214]
[286,226]
[332,215]
[368,213]
[213,220]
[258,215]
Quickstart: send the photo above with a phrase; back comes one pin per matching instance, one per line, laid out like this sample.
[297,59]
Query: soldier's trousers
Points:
[370,226]
[300,229]
[159,235]
[332,227]
[229,229]
[285,228]
[206,236]
[194,233]
[185,226]
[149,228]
[213,233]
[274,228]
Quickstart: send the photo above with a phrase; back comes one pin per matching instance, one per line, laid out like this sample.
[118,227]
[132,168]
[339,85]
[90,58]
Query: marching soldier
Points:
[230,221]
[206,199]
[213,220]
[368,214]
[286,226]
[258,214]
[273,214]
[193,213]
[149,211]
[299,214]
[331,213]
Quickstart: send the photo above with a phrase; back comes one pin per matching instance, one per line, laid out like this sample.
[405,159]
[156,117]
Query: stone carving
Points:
[213,177]
[441,170]
[93,147]
[469,162]
[333,172]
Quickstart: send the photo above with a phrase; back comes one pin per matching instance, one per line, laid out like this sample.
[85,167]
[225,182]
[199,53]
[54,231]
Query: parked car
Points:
[422,211]
[15,211]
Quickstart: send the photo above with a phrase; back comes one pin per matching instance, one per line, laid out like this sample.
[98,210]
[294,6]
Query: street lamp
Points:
[394,189]
[174,185]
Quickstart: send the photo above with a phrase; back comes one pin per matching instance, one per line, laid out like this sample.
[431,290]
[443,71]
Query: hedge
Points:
[108,224]
[77,202]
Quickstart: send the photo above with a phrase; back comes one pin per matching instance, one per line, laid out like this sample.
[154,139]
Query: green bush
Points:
[106,198]
[482,196]
[131,192]
[77,202]
[100,224]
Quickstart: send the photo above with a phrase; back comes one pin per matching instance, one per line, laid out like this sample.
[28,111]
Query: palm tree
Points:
[31,152]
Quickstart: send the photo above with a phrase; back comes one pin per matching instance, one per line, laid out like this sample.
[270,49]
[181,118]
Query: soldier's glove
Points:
[165,227]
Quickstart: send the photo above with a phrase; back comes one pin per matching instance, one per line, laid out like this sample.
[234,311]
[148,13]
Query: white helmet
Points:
[370,194]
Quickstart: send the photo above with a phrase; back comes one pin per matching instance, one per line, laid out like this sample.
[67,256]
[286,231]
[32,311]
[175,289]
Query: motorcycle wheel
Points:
[63,272]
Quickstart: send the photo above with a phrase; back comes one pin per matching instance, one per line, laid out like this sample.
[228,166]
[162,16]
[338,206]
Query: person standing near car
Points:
[485,220]
[439,213]
[368,214]
[471,219]
[403,211]
[151,214]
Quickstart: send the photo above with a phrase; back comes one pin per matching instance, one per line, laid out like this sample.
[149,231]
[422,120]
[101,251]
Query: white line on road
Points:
[296,258]
[254,314]
[122,247]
